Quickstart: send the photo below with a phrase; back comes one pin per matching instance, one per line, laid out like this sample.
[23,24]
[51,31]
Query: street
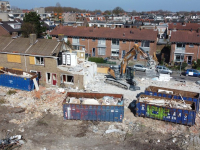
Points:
[175,76]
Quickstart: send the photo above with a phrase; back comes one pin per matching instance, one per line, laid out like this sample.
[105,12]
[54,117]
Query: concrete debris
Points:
[166,102]
[11,142]
[197,82]
[106,100]
[2,94]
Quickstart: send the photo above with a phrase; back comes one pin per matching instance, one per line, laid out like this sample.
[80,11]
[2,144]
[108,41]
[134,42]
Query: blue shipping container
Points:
[110,113]
[17,82]
[175,115]
[177,94]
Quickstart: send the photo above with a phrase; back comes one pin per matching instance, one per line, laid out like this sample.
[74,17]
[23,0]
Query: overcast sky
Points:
[127,5]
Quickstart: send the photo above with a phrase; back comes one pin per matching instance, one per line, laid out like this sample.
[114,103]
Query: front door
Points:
[54,79]
[93,52]
[189,59]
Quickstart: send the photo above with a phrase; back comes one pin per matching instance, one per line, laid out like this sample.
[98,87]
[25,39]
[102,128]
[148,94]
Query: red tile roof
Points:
[186,26]
[108,33]
[3,32]
[185,36]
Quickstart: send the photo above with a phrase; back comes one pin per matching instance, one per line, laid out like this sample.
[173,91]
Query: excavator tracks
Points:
[117,83]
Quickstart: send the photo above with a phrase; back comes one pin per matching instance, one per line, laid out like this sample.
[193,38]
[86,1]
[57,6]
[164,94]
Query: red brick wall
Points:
[89,45]
[187,50]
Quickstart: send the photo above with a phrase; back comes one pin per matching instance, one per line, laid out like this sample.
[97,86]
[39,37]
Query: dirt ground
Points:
[37,116]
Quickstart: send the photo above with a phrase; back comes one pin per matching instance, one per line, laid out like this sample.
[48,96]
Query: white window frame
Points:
[102,41]
[181,59]
[75,40]
[49,81]
[65,39]
[191,45]
[116,42]
[116,54]
[144,43]
[40,61]
[182,46]
[66,76]
[101,51]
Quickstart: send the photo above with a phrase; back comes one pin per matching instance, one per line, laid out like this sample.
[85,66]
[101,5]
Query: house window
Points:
[83,39]
[67,79]
[39,60]
[93,40]
[115,42]
[136,42]
[180,46]
[179,58]
[48,77]
[65,39]
[101,51]
[191,45]
[76,47]
[75,40]
[124,41]
[145,44]
[115,53]
[102,42]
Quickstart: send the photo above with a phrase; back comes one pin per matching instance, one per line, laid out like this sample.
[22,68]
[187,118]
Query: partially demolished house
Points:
[55,63]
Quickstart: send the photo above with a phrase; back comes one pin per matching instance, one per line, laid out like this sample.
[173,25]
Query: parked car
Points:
[163,69]
[139,68]
[192,72]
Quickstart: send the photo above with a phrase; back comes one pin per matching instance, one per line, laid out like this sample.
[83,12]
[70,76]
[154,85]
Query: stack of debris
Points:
[172,103]
[106,100]
[11,142]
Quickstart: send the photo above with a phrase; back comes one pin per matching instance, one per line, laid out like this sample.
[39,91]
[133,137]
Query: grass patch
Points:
[10,92]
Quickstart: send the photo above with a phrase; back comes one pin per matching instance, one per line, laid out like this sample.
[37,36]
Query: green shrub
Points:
[97,59]
[198,62]
[184,65]
[10,92]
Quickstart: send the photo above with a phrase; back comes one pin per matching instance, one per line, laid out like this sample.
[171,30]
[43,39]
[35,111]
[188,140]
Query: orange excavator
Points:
[123,75]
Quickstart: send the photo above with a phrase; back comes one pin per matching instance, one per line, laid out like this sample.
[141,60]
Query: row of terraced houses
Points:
[115,42]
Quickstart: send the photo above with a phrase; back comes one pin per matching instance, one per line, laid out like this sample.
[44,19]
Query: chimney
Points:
[14,35]
[32,39]
[60,37]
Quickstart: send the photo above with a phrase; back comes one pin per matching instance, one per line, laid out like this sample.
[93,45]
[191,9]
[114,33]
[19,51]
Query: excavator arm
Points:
[133,52]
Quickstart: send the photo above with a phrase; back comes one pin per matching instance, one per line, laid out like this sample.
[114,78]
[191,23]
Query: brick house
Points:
[185,46]
[182,27]
[108,42]
[51,59]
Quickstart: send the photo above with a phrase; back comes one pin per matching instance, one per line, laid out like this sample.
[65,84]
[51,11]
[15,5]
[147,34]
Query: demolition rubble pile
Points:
[11,142]
[106,100]
[13,73]
[180,104]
